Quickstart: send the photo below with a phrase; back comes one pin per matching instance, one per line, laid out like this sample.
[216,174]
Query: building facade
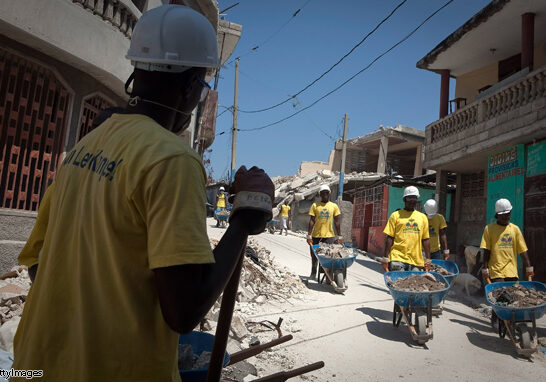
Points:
[492,134]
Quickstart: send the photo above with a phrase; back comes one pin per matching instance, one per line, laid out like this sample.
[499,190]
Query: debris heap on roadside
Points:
[334,250]
[417,283]
[517,296]
[439,269]
[13,292]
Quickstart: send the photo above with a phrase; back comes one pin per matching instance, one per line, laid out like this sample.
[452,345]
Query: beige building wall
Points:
[307,168]
[468,84]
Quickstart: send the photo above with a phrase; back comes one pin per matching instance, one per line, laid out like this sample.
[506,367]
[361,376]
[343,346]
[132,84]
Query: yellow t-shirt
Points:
[31,251]
[504,242]
[284,210]
[408,228]
[130,197]
[324,214]
[221,200]
[435,224]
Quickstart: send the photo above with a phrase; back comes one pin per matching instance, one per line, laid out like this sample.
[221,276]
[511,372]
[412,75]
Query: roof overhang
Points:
[491,35]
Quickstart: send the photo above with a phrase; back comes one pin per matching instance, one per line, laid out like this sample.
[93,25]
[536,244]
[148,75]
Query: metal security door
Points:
[33,117]
[535,223]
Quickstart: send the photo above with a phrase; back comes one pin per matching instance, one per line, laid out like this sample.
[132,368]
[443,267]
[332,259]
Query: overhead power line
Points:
[257,46]
[331,67]
[354,75]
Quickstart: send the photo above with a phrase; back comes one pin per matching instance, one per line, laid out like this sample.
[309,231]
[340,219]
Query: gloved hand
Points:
[252,190]
[385,266]
[446,254]
[309,240]
[428,264]
[529,273]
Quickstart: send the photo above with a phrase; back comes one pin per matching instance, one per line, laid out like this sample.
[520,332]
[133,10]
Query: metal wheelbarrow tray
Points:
[513,320]
[335,269]
[418,304]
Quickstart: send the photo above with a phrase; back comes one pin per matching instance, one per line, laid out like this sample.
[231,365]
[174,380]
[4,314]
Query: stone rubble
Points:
[517,296]
[334,250]
[439,269]
[417,283]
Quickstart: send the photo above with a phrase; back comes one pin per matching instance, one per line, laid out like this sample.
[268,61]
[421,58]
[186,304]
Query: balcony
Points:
[516,113]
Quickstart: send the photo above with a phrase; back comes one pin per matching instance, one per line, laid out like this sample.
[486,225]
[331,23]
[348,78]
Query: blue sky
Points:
[392,91]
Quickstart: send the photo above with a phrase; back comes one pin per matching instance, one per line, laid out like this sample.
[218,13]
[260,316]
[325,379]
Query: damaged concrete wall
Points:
[307,168]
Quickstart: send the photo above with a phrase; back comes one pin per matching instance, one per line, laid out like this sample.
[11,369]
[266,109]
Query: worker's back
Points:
[93,311]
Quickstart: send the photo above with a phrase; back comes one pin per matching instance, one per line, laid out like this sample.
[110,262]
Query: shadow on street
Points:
[377,314]
[390,333]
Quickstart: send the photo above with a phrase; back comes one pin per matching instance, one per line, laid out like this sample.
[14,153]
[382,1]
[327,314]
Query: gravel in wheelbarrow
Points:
[334,250]
[425,282]
[517,296]
[439,269]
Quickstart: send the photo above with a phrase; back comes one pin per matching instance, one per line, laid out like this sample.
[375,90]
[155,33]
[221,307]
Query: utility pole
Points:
[342,171]
[234,130]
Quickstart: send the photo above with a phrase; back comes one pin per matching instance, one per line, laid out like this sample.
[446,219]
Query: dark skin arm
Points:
[389,241]
[187,292]
[524,258]
[32,272]
[443,238]
[310,229]
[426,247]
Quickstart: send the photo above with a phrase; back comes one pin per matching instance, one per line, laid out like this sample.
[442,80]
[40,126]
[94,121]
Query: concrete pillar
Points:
[527,40]
[444,93]
[441,191]
[418,170]
[382,158]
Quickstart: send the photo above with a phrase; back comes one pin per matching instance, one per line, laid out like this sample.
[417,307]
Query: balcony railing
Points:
[122,14]
[507,99]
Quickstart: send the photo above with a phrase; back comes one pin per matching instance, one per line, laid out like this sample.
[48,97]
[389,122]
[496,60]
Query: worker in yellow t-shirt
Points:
[501,242]
[125,252]
[407,235]
[220,203]
[437,231]
[285,218]
[323,216]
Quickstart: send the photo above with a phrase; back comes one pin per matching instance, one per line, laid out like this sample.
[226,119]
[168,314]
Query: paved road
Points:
[353,333]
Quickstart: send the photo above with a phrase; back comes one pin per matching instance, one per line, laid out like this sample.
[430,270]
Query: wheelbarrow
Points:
[452,268]
[221,217]
[271,225]
[514,321]
[201,341]
[335,269]
[415,307]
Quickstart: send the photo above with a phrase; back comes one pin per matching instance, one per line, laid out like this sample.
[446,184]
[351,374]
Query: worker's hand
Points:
[485,275]
[309,240]
[428,264]
[529,273]
[253,190]
[340,240]
[385,266]
[446,254]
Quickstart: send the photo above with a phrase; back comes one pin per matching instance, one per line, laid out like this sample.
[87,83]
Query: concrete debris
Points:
[517,296]
[441,270]
[13,293]
[188,360]
[417,283]
[334,250]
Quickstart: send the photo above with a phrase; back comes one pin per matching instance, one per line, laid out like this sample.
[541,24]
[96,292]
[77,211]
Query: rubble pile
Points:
[517,296]
[13,292]
[188,360]
[417,283]
[439,269]
[223,213]
[334,250]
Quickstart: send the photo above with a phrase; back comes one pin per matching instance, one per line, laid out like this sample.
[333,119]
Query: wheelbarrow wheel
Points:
[421,326]
[338,278]
[524,335]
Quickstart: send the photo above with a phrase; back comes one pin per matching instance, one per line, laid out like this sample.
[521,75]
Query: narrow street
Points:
[353,333]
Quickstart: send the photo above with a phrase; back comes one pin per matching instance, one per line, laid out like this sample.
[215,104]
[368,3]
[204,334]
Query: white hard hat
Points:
[324,187]
[431,208]
[222,189]
[503,206]
[173,38]
[411,191]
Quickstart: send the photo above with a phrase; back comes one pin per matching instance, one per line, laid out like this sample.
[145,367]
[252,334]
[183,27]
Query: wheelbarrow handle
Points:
[252,351]
[284,375]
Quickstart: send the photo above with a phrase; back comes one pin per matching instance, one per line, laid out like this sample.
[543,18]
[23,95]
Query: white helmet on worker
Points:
[324,187]
[173,38]
[411,191]
[431,208]
[222,189]
[503,206]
